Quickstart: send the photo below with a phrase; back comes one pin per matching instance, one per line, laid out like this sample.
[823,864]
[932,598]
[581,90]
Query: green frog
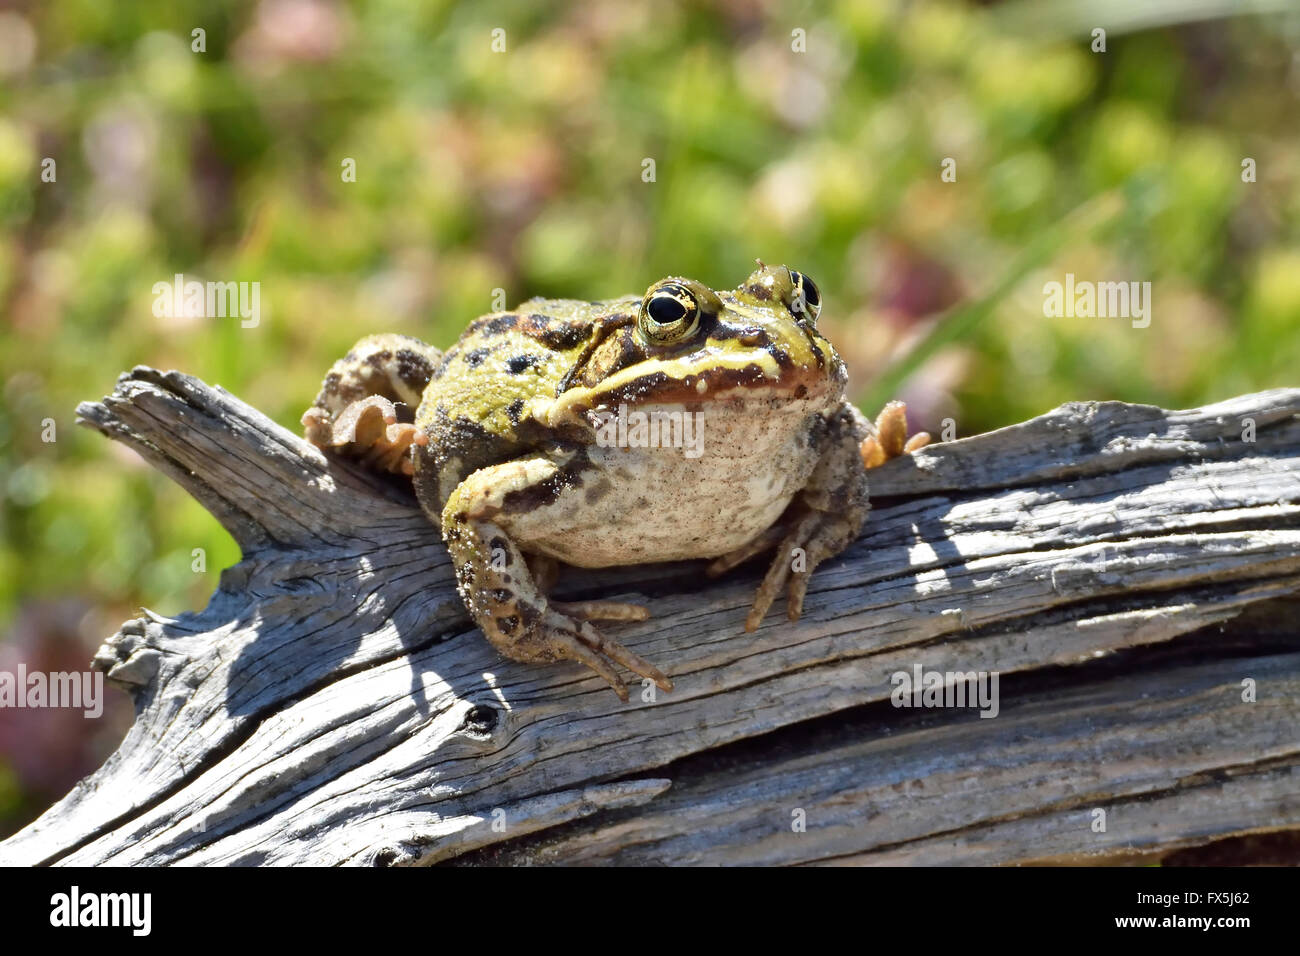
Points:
[685,423]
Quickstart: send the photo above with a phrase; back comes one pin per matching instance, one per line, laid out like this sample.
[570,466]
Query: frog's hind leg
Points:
[366,406]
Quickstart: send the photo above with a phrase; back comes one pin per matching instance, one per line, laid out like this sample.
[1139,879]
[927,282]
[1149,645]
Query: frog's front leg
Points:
[501,592]
[822,521]
[366,406]
[829,512]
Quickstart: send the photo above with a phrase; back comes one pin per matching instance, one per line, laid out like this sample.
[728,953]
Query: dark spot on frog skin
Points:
[456,435]
[598,491]
[501,595]
[475,357]
[519,363]
[515,411]
[507,625]
[499,543]
[818,428]
[547,492]
[759,291]
[780,356]
[554,333]
[530,616]
[336,391]
[491,325]
[560,338]
[413,369]
[457,441]
[801,391]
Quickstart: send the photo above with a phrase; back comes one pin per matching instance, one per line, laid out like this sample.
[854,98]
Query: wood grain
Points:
[333,705]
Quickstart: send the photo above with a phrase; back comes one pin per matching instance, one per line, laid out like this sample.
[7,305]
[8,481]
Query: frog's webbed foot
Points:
[368,430]
[368,399]
[566,635]
[554,631]
[890,439]
[802,542]
[823,521]
[571,637]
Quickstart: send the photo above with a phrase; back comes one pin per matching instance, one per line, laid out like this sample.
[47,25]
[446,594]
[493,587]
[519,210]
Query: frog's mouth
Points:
[749,374]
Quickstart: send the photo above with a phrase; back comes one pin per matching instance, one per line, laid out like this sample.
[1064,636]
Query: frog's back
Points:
[475,409]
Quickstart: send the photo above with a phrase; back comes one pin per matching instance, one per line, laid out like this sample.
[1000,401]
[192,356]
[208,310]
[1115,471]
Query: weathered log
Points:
[333,703]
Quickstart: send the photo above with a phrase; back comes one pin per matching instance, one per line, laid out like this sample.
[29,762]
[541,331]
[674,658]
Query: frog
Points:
[517,445]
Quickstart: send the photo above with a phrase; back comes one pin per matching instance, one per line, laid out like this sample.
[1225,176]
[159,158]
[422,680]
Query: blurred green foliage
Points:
[523,170]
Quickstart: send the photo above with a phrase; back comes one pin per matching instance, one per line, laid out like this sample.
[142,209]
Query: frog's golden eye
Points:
[805,298]
[669,314]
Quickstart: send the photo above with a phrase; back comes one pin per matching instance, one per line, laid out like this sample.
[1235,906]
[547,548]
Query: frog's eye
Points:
[805,298]
[669,314]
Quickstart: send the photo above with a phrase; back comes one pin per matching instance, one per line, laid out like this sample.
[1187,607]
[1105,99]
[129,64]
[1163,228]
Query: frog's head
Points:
[685,343]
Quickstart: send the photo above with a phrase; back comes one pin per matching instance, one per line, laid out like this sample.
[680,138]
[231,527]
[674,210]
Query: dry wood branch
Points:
[333,704]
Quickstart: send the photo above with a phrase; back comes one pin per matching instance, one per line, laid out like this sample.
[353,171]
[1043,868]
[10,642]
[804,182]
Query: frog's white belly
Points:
[641,504]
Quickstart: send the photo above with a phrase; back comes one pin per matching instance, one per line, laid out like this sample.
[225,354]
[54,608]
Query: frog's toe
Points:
[316,426]
[358,422]
[890,439]
[603,610]
[810,541]
[576,640]
[764,542]
[789,553]
[830,538]
[570,648]
[369,430]
[390,451]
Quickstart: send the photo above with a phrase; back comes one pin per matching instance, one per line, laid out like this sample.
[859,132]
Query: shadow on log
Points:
[1129,573]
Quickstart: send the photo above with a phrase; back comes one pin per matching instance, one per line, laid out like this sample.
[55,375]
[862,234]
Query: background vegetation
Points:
[522,170]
